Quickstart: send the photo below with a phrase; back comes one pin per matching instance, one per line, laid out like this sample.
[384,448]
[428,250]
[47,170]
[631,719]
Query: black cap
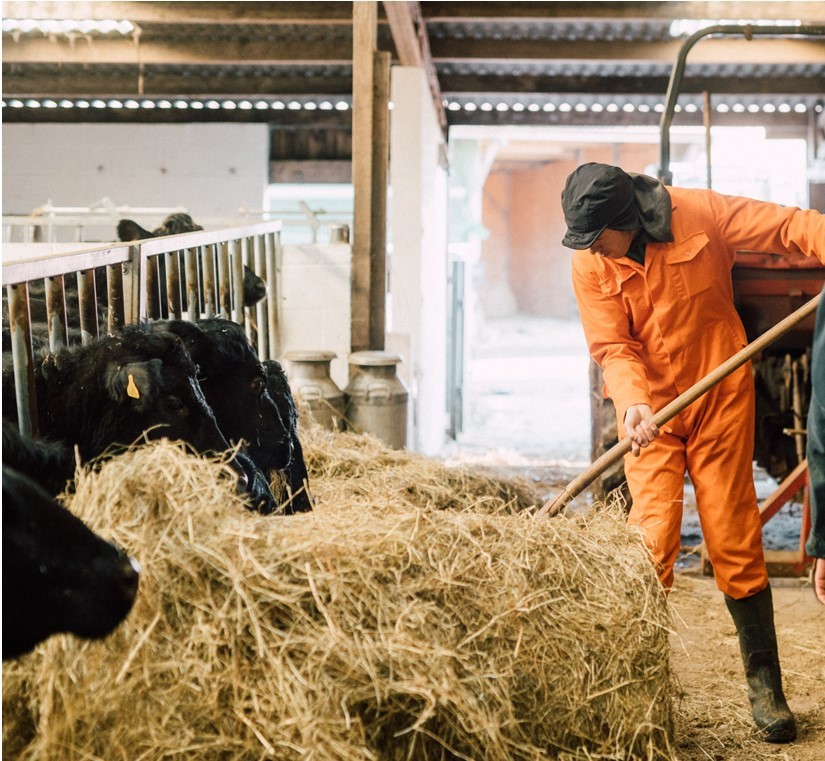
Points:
[595,197]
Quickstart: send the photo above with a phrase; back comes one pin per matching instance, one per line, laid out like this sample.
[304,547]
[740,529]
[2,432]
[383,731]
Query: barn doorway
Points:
[526,390]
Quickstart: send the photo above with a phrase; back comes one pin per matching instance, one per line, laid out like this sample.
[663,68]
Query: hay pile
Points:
[350,633]
[357,468]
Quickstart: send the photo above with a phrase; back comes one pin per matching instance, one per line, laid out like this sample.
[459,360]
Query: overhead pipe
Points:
[675,83]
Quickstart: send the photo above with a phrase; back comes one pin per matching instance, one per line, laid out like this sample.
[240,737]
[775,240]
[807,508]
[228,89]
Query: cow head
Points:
[58,575]
[234,383]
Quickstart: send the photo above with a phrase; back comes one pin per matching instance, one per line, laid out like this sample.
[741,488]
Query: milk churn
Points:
[376,399]
[311,384]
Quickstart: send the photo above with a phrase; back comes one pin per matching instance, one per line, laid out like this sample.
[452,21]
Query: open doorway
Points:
[526,389]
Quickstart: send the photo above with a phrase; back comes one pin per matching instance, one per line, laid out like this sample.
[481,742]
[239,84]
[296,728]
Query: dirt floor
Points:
[527,414]
[712,712]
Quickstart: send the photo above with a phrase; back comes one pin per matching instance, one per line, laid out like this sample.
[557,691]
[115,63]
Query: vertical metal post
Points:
[261,320]
[224,281]
[236,262]
[249,322]
[87,300]
[56,312]
[207,255]
[706,120]
[114,285]
[173,285]
[191,269]
[272,253]
[21,351]
[135,297]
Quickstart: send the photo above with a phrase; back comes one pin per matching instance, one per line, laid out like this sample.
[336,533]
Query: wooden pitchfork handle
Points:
[578,484]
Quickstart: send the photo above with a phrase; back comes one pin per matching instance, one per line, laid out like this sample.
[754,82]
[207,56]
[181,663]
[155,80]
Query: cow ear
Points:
[138,381]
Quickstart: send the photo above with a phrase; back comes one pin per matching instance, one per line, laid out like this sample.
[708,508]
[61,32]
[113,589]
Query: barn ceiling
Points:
[490,63]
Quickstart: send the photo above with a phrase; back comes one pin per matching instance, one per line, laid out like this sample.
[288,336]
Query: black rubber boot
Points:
[753,617]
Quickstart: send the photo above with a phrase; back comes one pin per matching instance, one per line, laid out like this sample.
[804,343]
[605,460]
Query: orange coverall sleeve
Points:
[610,341]
[748,225]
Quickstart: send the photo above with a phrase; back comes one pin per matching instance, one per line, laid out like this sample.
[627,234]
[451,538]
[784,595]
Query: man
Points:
[652,280]
[815,546]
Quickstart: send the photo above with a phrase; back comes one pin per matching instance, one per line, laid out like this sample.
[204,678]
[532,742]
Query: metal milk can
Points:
[310,381]
[376,399]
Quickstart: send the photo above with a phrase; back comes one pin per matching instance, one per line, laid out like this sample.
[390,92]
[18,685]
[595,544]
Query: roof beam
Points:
[457,85]
[100,50]
[485,51]
[268,13]
[59,81]
[711,50]
[123,81]
[413,47]
[808,11]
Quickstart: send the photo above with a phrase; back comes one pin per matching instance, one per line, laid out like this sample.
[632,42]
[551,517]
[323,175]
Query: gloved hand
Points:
[640,428]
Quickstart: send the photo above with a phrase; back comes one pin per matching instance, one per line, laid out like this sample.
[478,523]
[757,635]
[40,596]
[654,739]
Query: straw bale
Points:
[358,467]
[403,632]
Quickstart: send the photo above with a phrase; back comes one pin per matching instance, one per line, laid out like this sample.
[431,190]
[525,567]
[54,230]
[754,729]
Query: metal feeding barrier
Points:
[186,276]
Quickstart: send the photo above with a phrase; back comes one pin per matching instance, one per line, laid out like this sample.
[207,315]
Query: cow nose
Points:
[128,575]
[243,481]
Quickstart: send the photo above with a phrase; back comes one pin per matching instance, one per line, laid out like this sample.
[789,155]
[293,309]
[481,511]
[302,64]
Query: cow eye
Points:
[174,404]
[257,386]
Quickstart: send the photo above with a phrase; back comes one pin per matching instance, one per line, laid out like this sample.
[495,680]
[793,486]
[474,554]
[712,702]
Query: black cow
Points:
[117,390]
[254,289]
[298,495]
[235,384]
[46,462]
[58,575]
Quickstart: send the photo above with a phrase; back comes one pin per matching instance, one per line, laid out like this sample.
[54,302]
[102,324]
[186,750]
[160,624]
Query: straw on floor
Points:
[373,628]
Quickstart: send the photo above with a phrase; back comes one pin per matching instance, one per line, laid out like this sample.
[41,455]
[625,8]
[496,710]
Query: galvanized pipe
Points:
[21,351]
[56,312]
[87,299]
[207,255]
[675,83]
[173,286]
[261,322]
[236,262]
[192,296]
[224,280]
[271,256]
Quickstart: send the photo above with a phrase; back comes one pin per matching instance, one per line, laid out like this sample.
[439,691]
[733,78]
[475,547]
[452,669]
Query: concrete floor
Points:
[527,412]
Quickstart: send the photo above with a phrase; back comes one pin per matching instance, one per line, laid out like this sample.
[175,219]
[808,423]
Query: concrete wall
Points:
[211,169]
[417,271]
[315,298]
[522,211]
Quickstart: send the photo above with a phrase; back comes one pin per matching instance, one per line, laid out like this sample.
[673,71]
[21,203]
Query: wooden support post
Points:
[371,85]
[380,169]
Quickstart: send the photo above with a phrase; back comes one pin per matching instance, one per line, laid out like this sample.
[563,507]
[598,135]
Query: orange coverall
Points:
[658,328]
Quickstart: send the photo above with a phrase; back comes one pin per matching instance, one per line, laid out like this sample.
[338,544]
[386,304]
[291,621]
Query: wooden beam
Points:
[713,9]
[364,22]
[380,175]
[412,44]
[184,50]
[730,50]
[404,33]
[338,51]
[121,80]
[187,12]
[476,85]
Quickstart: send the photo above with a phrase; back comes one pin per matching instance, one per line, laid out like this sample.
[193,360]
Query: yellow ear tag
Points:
[131,388]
